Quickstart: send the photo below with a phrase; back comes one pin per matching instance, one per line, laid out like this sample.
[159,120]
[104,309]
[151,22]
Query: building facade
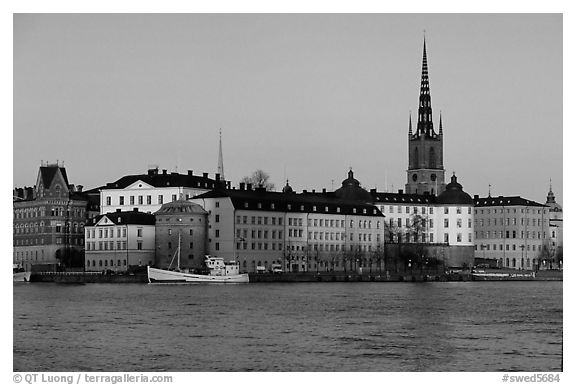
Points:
[511,230]
[181,235]
[48,220]
[119,241]
[425,172]
[300,232]
[148,192]
[556,230]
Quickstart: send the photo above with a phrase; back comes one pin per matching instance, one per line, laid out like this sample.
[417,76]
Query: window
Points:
[446,223]
[217,218]
[445,237]
[174,197]
[217,233]
[160,199]
[459,237]
[458,210]
[445,210]
[139,233]
[132,199]
[121,201]
[108,201]
[139,245]
[149,199]
[458,222]
[217,204]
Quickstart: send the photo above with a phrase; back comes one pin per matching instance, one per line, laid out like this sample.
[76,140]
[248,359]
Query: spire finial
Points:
[410,124]
[440,121]
[550,184]
[489,190]
[220,157]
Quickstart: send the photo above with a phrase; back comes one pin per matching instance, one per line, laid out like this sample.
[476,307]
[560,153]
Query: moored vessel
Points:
[19,274]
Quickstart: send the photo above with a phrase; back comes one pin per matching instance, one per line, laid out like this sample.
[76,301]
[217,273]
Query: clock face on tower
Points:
[433,177]
[414,177]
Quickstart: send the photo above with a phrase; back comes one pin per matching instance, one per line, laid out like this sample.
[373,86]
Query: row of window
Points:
[508,247]
[109,233]
[104,263]
[424,238]
[35,212]
[423,210]
[25,228]
[314,208]
[508,221]
[59,241]
[501,210]
[132,199]
[508,234]
[29,256]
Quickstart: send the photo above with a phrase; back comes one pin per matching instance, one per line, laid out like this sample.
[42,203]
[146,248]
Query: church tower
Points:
[425,147]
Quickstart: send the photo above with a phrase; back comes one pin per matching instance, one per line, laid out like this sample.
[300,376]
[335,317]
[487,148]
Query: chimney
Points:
[476,196]
[205,175]
[150,171]
[190,173]
[372,191]
[313,191]
[79,188]
[400,192]
[323,191]
[242,186]
[217,177]
[304,191]
[249,186]
[164,172]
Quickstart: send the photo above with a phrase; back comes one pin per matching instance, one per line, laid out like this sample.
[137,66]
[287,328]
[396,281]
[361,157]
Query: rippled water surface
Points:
[452,326]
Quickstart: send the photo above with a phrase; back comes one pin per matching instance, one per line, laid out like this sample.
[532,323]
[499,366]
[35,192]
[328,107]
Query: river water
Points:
[436,326]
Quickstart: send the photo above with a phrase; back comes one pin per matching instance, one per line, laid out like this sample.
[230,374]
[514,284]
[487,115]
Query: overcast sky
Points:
[302,97]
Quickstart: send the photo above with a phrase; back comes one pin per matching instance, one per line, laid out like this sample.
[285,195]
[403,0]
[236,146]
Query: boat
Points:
[219,271]
[19,274]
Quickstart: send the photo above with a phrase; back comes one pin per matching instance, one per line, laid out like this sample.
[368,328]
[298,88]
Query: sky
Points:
[303,97]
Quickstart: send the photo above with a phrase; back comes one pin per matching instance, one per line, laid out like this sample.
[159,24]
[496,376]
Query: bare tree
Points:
[259,178]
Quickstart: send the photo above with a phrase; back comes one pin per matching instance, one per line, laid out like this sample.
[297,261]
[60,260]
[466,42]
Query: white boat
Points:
[19,274]
[219,272]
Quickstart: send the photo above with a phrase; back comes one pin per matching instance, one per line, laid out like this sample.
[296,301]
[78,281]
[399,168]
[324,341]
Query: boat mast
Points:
[179,232]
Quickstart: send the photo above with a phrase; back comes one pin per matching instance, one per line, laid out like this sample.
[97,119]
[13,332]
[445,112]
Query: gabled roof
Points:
[260,199]
[163,180]
[125,217]
[48,173]
[397,198]
[505,201]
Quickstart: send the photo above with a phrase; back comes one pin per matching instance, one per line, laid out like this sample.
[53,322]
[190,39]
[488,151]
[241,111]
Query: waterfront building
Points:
[148,192]
[555,230]
[300,232]
[119,241]
[181,228]
[48,220]
[510,230]
[425,172]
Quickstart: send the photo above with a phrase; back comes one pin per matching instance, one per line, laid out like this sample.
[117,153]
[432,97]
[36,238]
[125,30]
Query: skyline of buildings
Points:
[341,98]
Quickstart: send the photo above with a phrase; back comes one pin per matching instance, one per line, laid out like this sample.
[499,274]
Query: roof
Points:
[351,190]
[156,179]
[125,217]
[504,201]
[181,206]
[396,198]
[49,172]
[260,199]
[454,194]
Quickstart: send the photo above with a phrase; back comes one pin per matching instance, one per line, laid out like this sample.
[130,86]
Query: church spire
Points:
[220,158]
[410,124]
[425,126]
[440,129]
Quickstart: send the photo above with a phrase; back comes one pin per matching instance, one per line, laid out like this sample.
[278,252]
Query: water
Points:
[452,326]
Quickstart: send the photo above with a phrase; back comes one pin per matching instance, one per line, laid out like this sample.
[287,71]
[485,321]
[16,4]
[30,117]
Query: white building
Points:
[119,240]
[147,192]
[301,232]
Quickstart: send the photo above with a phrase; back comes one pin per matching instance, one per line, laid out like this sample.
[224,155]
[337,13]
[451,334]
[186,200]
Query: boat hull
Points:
[23,276]
[172,277]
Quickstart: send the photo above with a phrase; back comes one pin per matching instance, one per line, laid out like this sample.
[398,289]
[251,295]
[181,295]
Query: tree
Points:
[259,178]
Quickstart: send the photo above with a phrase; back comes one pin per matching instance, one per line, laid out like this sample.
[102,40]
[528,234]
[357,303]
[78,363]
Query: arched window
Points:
[507,262]
[432,158]
[513,262]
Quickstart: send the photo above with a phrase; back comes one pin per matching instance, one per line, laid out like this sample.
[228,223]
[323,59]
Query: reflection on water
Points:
[452,326]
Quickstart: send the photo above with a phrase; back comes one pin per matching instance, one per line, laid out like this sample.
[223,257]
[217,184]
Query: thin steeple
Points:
[425,126]
[410,124]
[220,159]
[440,129]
